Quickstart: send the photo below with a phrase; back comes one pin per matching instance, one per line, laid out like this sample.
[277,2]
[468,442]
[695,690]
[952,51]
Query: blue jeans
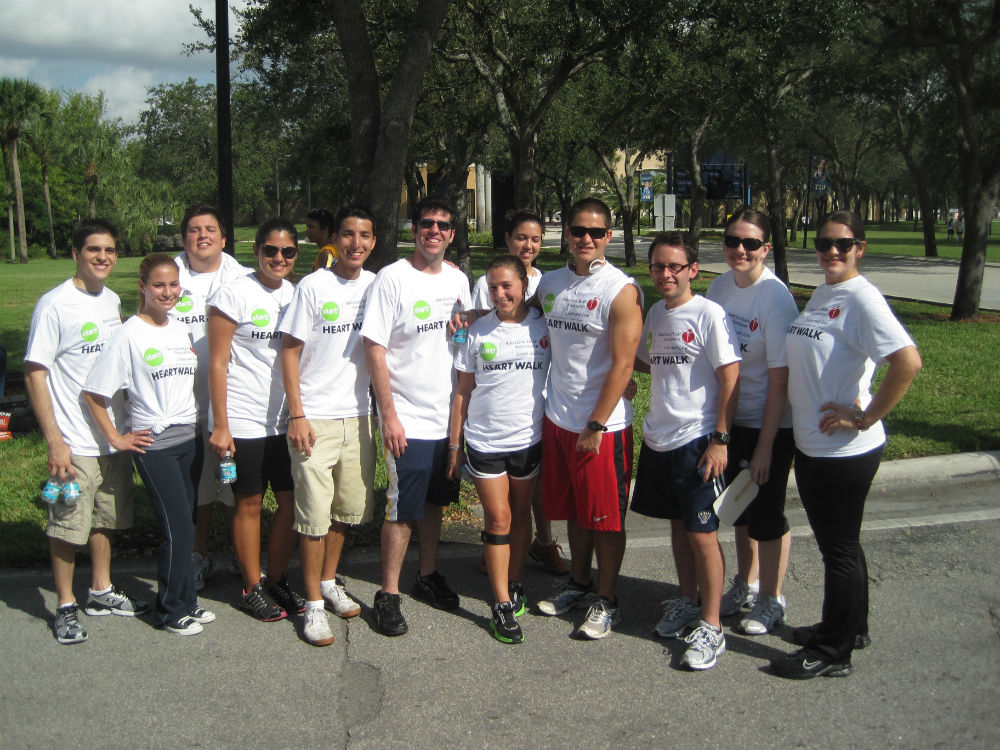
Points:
[170,476]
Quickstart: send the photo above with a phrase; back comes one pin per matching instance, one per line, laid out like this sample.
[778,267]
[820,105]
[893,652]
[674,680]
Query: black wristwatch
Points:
[722,437]
[595,426]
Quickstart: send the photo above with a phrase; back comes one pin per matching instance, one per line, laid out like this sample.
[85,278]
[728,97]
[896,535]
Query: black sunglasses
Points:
[270,251]
[444,226]
[674,268]
[843,244]
[596,233]
[749,243]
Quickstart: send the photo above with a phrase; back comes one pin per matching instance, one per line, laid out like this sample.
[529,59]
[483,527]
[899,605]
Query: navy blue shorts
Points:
[417,478]
[668,484]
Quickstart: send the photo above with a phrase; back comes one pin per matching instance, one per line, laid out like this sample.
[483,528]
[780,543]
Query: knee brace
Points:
[494,538]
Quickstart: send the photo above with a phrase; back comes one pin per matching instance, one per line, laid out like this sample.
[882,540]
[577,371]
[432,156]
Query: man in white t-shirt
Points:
[690,351]
[331,436]
[410,363]
[204,268]
[69,328]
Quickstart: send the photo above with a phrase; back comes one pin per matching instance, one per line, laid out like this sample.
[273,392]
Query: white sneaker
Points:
[569,595]
[677,614]
[339,602]
[317,629]
[601,617]
[741,595]
[706,643]
[766,613]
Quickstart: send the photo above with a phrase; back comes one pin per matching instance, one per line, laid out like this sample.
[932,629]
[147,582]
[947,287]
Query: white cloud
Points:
[17,67]
[124,89]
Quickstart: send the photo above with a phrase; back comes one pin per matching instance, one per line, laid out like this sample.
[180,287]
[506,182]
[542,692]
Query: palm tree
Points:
[40,134]
[19,100]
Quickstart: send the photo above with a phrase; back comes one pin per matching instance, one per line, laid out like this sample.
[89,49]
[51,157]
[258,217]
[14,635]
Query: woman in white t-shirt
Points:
[498,398]
[249,416]
[760,307]
[150,358]
[845,331]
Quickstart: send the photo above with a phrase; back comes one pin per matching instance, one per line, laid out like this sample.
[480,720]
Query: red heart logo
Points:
[688,336]
[834,312]
[591,304]
[544,342]
[754,324]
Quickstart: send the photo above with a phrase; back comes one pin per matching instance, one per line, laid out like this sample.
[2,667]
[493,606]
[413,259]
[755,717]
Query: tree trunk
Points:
[10,203]
[48,210]
[776,206]
[698,191]
[979,202]
[457,197]
[524,169]
[927,212]
[19,197]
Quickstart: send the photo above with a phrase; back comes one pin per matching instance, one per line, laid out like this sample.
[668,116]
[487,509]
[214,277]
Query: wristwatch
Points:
[722,437]
[595,426]
[859,415]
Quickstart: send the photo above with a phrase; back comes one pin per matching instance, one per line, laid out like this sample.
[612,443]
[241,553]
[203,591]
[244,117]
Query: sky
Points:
[120,47]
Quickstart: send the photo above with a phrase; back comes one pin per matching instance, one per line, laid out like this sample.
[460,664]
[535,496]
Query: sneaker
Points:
[503,625]
[317,629]
[433,589]
[706,643]
[601,617]
[516,591]
[570,595]
[550,556]
[114,602]
[186,625]
[203,567]
[802,635]
[767,612]
[804,665]
[678,614]
[201,615]
[282,593]
[255,602]
[67,625]
[741,595]
[389,619]
[339,602]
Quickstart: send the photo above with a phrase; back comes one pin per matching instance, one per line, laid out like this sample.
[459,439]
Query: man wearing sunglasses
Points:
[594,317]
[204,268]
[410,363]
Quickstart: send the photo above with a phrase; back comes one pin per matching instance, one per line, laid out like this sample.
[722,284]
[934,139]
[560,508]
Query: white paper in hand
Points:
[735,499]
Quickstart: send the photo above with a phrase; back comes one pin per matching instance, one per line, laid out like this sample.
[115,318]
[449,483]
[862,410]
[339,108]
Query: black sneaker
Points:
[282,593]
[516,591]
[434,590]
[503,625]
[802,635]
[804,665]
[388,618]
[255,602]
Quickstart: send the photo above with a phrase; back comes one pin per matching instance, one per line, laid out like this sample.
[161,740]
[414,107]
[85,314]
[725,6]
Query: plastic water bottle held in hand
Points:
[461,336]
[227,470]
[71,492]
[51,490]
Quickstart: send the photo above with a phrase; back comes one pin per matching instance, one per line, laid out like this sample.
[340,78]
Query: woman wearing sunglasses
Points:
[249,414]
[833,348]
[760,308]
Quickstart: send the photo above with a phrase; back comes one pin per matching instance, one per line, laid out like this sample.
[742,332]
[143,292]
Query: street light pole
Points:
[224,121]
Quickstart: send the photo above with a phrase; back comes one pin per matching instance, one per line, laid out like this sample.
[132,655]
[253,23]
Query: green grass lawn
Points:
[952,406]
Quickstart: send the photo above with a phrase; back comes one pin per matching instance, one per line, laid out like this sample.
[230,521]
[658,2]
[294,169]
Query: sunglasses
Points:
[749,244]
[843,244]
[674,268]
[444,226]
[596,233]
[270,251]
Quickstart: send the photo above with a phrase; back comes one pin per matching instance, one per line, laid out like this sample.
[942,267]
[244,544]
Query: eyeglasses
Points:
[843,244]
[749,243]
[270,251]
[444,226]
[596,233]
[674,268]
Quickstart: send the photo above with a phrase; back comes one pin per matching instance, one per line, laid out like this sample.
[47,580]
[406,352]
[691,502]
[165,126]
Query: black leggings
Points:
[833,492]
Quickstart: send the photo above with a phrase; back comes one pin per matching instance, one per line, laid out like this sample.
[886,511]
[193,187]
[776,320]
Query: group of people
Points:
[228,364]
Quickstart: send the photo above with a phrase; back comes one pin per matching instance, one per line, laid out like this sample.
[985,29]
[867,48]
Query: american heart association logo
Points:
[754,325]
[591,304]
[834,312]
[688,336]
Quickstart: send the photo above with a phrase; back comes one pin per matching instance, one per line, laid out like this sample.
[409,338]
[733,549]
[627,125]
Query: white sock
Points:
[102,592]
[327,586]
[314,605]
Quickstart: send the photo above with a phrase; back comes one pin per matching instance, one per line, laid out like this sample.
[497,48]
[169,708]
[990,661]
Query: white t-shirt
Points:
[578,312]
[759,315]
[481,293]
[511,362]
[69,329]
[255,396]
[834,346]
[683,348]
[156,367]
[196,289]
[326,315]
[408,313]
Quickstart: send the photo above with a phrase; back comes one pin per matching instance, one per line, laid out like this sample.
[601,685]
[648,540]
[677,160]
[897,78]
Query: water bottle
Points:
[51,490]
[227,470]
[71,492]
[461,337]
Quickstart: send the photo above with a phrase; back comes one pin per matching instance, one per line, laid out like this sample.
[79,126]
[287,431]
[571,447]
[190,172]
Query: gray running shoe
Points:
[601,617]
[741,595]
[706,643]
[67,626]
[767,612]
[678,614]
[114,602]
[568,596]
[203,567]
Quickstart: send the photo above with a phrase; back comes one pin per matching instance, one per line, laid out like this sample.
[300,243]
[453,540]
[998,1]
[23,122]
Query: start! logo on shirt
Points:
[487,350]
[330,311]
[260,318]
[90,332]
[184,304]
[421,309]
[153,357]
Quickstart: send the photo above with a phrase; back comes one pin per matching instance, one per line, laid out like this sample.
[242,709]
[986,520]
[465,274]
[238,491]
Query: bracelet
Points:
[301,416]
[452,446]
